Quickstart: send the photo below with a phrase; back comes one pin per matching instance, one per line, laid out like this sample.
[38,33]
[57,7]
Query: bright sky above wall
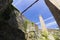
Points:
[35,11]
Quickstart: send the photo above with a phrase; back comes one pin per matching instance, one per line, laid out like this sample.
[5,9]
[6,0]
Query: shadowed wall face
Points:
[4,4]
[7,13]
[8,22]
[55,11]
[7,32]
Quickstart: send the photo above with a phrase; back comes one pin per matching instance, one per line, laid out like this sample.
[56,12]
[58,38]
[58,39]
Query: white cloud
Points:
[51,23]
[48,24]
[45,20]
[37,23]
[48,18]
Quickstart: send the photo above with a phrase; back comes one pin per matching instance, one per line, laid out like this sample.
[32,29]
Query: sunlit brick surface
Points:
[56,3]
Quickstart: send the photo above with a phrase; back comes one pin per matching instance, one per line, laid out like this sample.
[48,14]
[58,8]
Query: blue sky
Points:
[35,11]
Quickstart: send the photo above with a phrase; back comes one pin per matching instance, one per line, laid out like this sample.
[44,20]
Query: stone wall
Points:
[31,31]
[11,21]
[55,11]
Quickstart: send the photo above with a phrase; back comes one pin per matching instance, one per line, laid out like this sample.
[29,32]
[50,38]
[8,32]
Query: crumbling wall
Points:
[9,26]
